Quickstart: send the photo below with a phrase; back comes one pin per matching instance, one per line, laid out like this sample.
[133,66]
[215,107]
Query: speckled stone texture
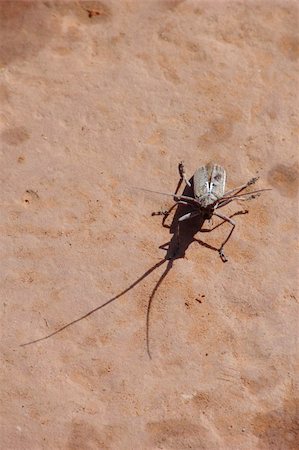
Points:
[98,98]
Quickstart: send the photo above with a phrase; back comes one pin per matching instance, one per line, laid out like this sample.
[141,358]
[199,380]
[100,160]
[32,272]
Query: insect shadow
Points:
[175,249]
[183,233]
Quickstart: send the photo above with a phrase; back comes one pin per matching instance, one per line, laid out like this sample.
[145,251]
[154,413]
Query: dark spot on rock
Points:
[26,27]
[171,4]
[220,130]
[86,12]
[285,179]
[62,51]
[15,136]
[30,196]
[32,193]
[4,93]
[95,10]
[289,46]
[84,435]
[176,434]
[278,429]
[27,277]
[201,400]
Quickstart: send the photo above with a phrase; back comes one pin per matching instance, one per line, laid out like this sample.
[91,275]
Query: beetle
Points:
[208,183]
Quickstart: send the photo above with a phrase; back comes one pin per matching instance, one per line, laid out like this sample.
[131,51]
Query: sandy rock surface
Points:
[98,98]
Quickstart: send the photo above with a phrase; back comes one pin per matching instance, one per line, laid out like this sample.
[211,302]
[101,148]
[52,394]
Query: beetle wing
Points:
[218,178]
[200,179]
[209,179]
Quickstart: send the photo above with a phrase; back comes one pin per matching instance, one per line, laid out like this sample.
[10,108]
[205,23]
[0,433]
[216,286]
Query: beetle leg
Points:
[226,219]
[189,215]
[183,173]
[181,202]
[244,197]
[164,212]
[171,208]
[208,230]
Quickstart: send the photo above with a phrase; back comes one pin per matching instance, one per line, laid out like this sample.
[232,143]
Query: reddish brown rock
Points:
[100,97]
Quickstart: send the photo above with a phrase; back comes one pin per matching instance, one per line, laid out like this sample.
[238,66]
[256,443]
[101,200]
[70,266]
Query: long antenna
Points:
[243,195]
[174,196]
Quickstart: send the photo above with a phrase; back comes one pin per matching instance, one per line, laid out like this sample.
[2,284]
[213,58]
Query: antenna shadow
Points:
[174,250]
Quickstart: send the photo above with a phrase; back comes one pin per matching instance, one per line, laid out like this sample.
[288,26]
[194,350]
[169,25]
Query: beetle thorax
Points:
[207,200]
